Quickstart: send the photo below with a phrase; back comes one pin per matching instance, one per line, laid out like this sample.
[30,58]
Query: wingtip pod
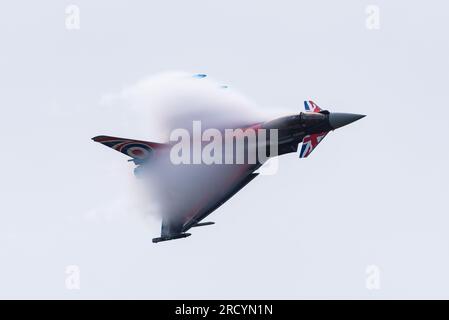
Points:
[99,138]
[173,237]
[202,224]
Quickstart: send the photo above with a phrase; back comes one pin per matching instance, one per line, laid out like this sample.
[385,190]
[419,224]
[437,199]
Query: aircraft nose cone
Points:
[338,120]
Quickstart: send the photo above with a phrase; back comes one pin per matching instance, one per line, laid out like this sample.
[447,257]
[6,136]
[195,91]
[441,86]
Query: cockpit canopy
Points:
[312,116]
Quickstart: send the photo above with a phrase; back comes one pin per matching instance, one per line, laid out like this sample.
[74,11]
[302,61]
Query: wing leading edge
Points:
[138,150]
[176,228]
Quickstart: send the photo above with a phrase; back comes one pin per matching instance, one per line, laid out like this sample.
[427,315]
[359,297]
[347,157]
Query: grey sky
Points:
[373,193]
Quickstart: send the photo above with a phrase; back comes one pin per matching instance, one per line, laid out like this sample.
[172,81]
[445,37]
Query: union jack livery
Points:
[311,141]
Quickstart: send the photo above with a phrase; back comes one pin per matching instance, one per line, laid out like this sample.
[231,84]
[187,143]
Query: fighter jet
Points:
[187,207]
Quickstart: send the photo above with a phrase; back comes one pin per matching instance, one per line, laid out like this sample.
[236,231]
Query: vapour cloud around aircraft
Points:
[203,165]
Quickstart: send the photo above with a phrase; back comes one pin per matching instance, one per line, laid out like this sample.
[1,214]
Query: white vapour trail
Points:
[158,104]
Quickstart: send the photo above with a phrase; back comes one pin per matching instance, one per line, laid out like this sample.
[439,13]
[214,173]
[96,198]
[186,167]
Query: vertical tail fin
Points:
[311,106]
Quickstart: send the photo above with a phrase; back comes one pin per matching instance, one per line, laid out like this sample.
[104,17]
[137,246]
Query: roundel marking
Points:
[137,150]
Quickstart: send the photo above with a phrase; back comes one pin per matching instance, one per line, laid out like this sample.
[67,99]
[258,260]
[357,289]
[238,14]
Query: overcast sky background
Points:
[373,193]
